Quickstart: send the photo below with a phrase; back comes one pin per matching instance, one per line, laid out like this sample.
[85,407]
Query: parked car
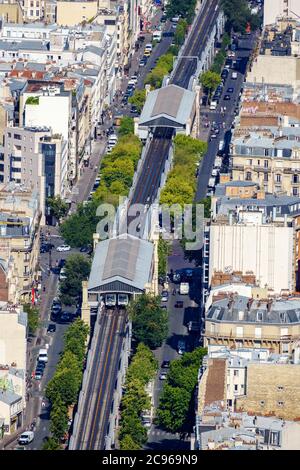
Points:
[164,296]
[179,304]
[51,328]
[230,89]
[163,376]
[65,317]
[165,364]
[63,248]
[38,376]
[226,97]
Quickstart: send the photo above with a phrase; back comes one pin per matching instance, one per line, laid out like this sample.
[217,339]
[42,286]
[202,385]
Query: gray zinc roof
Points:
[9,397]
[171,102]
[128,260]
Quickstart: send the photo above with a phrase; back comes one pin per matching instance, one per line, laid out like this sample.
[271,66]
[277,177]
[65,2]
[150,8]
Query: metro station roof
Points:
[168,106]
[121,261]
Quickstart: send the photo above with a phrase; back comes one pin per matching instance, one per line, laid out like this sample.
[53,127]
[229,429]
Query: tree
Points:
[58,207]
[207,206]
[77,230]
[59,419]
[128,443]
[138,99]
[176,407]
[149,320]
[126,126]
[33,318]
[77,269]
[238,14]
[180,32]
[210,80]
[75,339]
[51,444]
[164,250]
[63,384]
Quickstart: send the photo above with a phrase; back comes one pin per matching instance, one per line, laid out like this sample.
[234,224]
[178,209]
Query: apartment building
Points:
[13,333]
[11,11]
[276,55]
[268,156]
[237,242]
[20,218]
[242,321]
[276,9]
[74,12]
[33,10]
[37,159]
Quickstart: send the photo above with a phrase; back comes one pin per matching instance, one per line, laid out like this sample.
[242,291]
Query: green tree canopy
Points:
[33,317]
[149,320]
[138,99]
[210,80]
[126,126]
[77,269]
[77,230]
[59,419]
[58,206]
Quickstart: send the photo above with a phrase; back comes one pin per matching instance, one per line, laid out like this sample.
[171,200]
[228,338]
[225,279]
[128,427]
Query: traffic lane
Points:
[55,349]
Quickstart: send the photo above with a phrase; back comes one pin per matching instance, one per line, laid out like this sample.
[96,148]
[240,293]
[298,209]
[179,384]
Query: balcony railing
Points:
[279,338]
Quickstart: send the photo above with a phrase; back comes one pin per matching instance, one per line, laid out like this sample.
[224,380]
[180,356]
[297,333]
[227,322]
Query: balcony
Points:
[279,338]
[262,168]
[237,167]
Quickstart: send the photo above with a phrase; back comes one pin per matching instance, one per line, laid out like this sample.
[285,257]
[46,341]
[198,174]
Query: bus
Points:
[110,300]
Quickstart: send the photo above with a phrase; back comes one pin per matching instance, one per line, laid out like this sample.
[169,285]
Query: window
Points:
[280,403]
[262,403]
[249,162]
[295,178]
[236,373]
[266,163]
[266,177]
[17,136]
[236,388]
[258,162]
[239,331]
[278,178]
[248,176]
[285,348]
[257,332]
[280,388]
[295,191]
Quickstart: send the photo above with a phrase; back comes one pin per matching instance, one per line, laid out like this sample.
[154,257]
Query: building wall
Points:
[70,13]
[272,69]
[11,12]
[279,338]
[269,385]
[273,174]
[12,340]
[254,248]
[33,9]
[276,8]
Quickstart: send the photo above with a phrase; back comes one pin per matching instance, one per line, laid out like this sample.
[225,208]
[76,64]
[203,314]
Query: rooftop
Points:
[171,104]
[239,309]
[9,397]
[127,260]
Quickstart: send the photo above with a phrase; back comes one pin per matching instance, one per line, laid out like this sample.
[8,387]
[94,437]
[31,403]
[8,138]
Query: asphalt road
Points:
[158,439]
[216,116]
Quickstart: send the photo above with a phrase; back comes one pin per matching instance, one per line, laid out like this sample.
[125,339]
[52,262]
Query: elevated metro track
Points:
[150,178]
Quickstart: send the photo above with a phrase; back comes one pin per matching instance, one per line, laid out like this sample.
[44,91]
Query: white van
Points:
[157,36]
[26,437]
[113,139]
[234,75]
[148,47]
[221,145]
[213,105]
[43,355]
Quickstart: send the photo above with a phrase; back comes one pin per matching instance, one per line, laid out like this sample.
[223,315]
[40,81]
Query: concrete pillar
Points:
[85,308]
[155,272]
[197,124]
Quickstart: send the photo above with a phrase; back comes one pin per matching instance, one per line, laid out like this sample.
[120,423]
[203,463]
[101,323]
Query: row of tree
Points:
[180,187]
[149,320]
[132,433]
[62,390]
[164,250]
[117,171]
[77,269]
[176,412]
